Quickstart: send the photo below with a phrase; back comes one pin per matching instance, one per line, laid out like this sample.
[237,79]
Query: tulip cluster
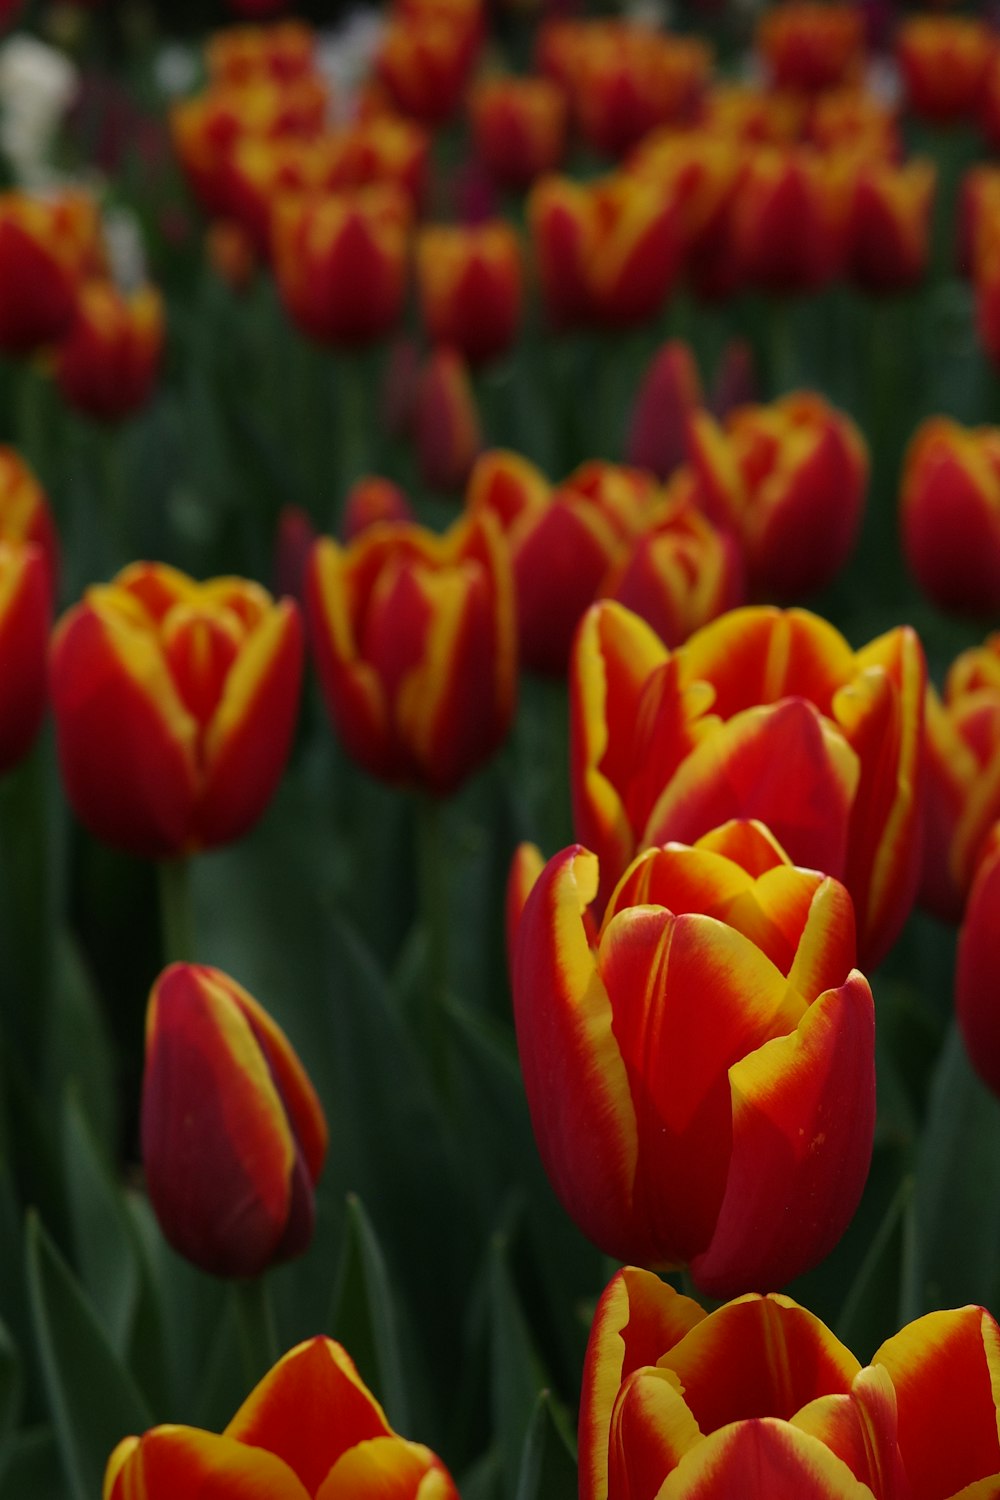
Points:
[309,1431]
[759,1399]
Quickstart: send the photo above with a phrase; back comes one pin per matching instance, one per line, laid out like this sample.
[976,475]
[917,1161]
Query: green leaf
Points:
[33,1467]
[548,1464]
[93,1400]
[79,1053]
[868,1314]
[364,1316]
[10,1393]
[517,1375]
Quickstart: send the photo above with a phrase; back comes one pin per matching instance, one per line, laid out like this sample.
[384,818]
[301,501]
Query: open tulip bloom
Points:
[700,1072]
[759,1401]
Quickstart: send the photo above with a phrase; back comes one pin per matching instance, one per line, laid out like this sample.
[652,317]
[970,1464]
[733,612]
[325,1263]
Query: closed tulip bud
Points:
[963,777]
[888,230]
[47,249]
[233,1136]
[759,1399]
[293,542]
[519,128]
[808,47]
[697,173]
[789,219]
[247,54]
[763,714]
[414,638]
[680,572]
[736,382]
[175,705]
[310,1430]
[370,500]
[469,287]
[231,253]
[701,1080]
[562,541]
[340,261]
[446,429]
[944,61]
[950,515]
[628,80]
[424,62]
[107,363]
[669,392]
[789,479]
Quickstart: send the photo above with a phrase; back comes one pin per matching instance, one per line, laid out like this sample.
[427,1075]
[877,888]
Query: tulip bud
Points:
[519,126]
[293,542]
[47,249]
[310,1428]
[233,1136]
[446,427]
[25,621]
[701,1080]
[789,219]
[370,500]
[808,47]
[670,390]
[424,63]
[469,285]
[888,231]
[950,515]
[175,706]
[108,361]
[944,62]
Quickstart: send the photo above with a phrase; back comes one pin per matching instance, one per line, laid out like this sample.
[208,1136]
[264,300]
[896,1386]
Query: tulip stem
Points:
[434,920]
[176,911]
[257,1332]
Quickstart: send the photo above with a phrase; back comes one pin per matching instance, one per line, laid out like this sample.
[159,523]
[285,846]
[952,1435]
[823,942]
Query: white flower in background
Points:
[176,69]
[653,15]
[37,86]
[126,248]
[345,56]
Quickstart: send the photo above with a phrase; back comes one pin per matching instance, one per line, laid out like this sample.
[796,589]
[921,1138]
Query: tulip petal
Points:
[697,996]
[387,1468]
[575,1080]
[311,1409]
[170,1462]
[637,1319]
[946,1371]
[860,1428]
[651,1430]
[558,564]
[758,1357]
[762,1460]
[760,654]
[25,617]
[803,1125]
[781,763]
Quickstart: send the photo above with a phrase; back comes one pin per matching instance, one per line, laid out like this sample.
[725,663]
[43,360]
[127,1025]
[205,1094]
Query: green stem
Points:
[176,911]
[257,1332]
[784,365]
[433,876]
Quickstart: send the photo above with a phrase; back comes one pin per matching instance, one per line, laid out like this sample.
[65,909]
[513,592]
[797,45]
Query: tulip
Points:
[670,391]
[851,119]
[789,479]
[753,115]
[889,224]
[25,517]
[25,621]
[424,62]
[231,253]
[340,262]
[697,173]
[989,104]
[383,150]
[809,47]
[370,500]
[763,714]
[414,639]
[47,249]
[978,212]
[700,1078]
[950,515]
[562,541]
[608,252]
[469,286]
[257,171]
[944,61]
[108,361]
[963,777]
[759,1399]
[790,219]
[248,54]
[680,572]
[175,705]
[519,128]
[233,1136]
[310,1430]
[294,538]
[986,277]
[445,421]
[626,81]
[977,971]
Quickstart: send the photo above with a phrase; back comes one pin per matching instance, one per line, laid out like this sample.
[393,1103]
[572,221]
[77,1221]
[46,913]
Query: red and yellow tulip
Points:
[519,128]
[763,714]
[950,515]
[944,61]
[251,54]
[789,218]
[107,363]
[414,638]
[48,248]
[808,46]
[310,1431]
[175,705]
[888,226]
[977,970]
[469,286]
[444,421]
[700,1077]
[233,1136]
[759,1399]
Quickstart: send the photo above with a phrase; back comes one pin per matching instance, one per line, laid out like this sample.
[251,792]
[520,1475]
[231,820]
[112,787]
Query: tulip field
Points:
[499,751]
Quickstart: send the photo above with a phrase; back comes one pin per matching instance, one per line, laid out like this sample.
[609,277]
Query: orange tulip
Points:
[340,262]
[944,61]
[950,515]
[469,285]
[414,641]
[808,46]
[311,1430]
[701,1077]
[108,361]
[762,714]
[233,1136]
[47,249]
[519,128]
[758,1399]
[175,705]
